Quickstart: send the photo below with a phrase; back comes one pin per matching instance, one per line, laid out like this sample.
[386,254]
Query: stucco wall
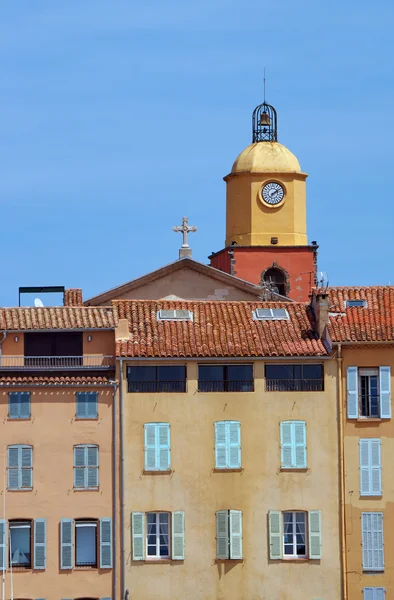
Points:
[194,487]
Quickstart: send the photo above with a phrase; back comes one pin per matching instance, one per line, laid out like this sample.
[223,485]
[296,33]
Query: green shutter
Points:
[150,433]
[220,445]
[286,446]
[275,534]
[352,392]
[40,544]
[178,535]
[236,534]
[222,535]
[234,444]
[66,544]
[3,544]
[138,535]
[314,517]
[106,543]
[163,439]
[299,453]
[385,392]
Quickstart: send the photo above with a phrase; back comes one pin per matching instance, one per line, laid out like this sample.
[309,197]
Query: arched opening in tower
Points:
[275,279]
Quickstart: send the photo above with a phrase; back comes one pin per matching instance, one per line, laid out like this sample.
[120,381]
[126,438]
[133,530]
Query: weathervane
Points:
[185,229]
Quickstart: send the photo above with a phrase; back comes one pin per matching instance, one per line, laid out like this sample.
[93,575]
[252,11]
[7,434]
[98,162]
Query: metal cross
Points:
[184,229]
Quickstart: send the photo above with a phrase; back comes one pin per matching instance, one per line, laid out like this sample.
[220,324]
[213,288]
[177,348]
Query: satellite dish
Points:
[38,303]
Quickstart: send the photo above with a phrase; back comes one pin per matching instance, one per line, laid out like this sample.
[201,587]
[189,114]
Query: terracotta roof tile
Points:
[59,317]
[219,329]
[73,297]
[374,323]
[52,381]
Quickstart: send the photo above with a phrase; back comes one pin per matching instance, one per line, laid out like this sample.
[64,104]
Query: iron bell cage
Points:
[264,124]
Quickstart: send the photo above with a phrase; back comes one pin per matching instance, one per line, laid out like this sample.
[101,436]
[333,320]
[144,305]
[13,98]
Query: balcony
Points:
[56,363]
[294,385]
[147,387]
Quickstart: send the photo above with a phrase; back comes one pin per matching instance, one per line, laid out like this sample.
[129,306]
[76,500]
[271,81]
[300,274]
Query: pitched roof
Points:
[59,317]
[219,329]
[373,323]
[183,263]
[53,380]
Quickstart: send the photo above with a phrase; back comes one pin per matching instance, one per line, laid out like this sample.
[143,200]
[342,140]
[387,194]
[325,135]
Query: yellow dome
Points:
[266,157]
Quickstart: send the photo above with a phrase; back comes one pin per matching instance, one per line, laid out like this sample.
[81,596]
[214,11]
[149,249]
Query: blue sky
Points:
[117,118]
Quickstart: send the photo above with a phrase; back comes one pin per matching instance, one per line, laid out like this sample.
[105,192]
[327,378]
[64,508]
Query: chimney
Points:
[73,297]
[321,307]
[122,330]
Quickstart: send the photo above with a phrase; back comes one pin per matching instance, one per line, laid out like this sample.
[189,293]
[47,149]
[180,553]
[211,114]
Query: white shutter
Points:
[220,445]
[378,542]
[163,439]
[275,534]
[222,549]
[385,392]
[352,393]
[372,541]
[365,471]
[138,535]
[286,445]
[314,517]
[376,467]
[370,467]
[234,444]
[368,593]
[236,534]
[178,535]
[299,428]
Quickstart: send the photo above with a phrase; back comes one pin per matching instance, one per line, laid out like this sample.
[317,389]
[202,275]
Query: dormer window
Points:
[174,315]
[356,304]
[270,314]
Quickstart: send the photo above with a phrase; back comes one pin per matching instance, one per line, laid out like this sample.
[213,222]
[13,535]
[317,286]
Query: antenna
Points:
[264,85]
[38,303]
[323,280]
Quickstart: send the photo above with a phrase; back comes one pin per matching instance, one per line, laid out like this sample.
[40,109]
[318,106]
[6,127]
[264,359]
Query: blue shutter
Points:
[163,438]
[235,534]
[106,543]
[372,541]
[385,392]
[234,444]
[286,445]
[40,543]
[13,468]
[374,593]
[92,405]
[352,392]
[370,467]
[13,405]
[3,544]
[81,405]
[24,403]
[92,466]
[222,535]
[220,445]
[178,535]
[79,467]
[150,434]
[26,467]
[299,445]
[66,543]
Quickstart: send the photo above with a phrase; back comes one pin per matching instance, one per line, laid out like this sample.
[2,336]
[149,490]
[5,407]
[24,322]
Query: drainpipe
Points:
[342,476]
[122,562]
[114,497]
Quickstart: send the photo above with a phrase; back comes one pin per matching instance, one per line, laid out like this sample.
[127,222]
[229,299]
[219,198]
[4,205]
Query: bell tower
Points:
[266,239]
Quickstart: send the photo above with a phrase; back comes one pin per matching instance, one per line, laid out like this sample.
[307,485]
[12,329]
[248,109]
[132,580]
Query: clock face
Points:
[273,193]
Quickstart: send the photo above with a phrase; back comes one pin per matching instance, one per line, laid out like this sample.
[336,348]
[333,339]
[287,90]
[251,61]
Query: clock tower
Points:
[266,239]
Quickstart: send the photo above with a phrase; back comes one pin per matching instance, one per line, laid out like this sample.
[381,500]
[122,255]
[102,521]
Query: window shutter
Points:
[300,444]
[3,544]
[163,436]
[27,467]
[40,559]
[24,400]
[376,467]
[352,393]
[220,445]
[66,543]
[234,444]
[138,527]
[235,534]
[366,521]
[379,593]
[150,446]
[372,541]
[275,534]
[13,468]
[92,405]
[385,392]
[81,405]
[79,467]
[286,445]
[314,518]
[106,543]
[92,466]
[222,549]
[378,541]
[178,535]
[365,478]
[13,405]
[373,593]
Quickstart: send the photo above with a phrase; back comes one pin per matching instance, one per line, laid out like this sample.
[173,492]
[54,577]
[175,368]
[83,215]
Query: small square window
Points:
[356,303]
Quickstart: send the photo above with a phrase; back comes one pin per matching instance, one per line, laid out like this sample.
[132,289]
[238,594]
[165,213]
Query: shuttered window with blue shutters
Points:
[106,543]
[20,467]
[87,405]
[40,535]
[370,467]
[3,545]
[374,593]
[229,534]
[369,393]
[228,445]
[66,544]
[372,541]
[19,405]
[293,444]
[86,467]
[157,447]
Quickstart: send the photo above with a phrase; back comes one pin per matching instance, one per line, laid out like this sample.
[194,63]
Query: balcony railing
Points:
[294,385]
[146,387]
[50,363]
[226,386]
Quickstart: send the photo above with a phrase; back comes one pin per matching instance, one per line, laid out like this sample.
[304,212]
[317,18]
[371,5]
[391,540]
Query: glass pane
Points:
[152,550]
[288,549]
[301,551]
[85,545]
[312,371]
[141,373]
[163,518]
[279,371]
[171,373]
[240,373]
[211,378]
[20,544]
[151,518]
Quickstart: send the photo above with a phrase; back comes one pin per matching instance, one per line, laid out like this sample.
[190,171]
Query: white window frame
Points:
[271,314]
[158,556]
[294,555]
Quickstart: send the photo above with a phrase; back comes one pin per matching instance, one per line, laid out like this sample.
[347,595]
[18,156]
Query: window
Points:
[25,540]
[372,541]
[271,314]
[20,543]
[356,304]
[84,540]
[227,445]
[19,405]
[293,444]
[86,467]
[20,467]
[157,446]
[275,278]
[87,405]
[158,535]
[368,393]
[294,378]
[225,378]
[370,467]
[169,378]
[229,534]
[174,315]
[294,534]
[374,593]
